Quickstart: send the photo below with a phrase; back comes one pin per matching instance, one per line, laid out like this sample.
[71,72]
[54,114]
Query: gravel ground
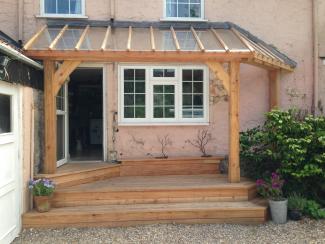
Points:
[305,231]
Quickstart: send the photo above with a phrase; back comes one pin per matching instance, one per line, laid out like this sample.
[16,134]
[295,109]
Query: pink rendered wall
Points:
[286,24]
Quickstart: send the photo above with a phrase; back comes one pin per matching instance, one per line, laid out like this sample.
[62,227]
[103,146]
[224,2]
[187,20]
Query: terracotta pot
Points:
[42,203]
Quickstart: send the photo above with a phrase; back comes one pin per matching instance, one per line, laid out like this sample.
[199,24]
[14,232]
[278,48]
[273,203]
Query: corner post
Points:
[49,118]
[234,166]
[274,89]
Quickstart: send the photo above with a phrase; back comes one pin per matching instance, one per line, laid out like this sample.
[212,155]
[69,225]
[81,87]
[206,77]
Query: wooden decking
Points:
[104,197]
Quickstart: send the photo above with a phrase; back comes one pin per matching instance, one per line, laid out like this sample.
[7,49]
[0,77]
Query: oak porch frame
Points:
[59,64]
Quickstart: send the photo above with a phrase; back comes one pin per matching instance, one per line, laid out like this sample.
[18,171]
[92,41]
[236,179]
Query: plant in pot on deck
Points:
[42,190]
[272,190]
[296,206]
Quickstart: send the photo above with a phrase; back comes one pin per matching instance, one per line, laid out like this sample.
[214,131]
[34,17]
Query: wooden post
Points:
[234,167]
[274,88]
[49,118]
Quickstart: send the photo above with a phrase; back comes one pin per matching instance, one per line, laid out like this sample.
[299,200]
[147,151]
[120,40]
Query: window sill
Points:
[61,16]
[122,124]
[183,20]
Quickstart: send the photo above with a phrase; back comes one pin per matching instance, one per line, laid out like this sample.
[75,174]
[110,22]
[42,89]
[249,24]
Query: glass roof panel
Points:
[231,40]
[186,40]
[209,41]
[93,39]
[69,39]
[164,40]
[141,39]
[119,39]
[45,39]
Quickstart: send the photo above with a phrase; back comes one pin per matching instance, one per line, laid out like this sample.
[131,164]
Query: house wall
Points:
[285,24]
[8,18]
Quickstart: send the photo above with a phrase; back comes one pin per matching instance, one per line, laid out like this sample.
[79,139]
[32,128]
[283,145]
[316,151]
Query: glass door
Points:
[62,126]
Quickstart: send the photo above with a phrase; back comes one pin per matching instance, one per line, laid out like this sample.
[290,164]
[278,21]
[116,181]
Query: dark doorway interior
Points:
[86,115]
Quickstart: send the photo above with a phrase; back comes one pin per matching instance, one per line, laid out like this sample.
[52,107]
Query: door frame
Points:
[16,138]
[101,66]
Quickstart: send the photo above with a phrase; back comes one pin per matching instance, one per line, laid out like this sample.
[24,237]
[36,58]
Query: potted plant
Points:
[296,206]
[272,190]
[42,190]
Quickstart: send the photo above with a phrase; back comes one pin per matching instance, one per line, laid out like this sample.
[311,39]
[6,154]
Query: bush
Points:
[292,145]
[296,202]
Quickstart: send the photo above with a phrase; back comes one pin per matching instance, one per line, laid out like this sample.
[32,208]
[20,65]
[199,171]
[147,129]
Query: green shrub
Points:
[296,202]
[313,210]
[292,145]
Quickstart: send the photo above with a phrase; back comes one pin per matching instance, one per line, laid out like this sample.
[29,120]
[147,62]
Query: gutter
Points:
[19,56]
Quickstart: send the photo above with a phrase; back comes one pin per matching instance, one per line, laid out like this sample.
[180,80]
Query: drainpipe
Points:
[112,9]
[20,20]
[316,54]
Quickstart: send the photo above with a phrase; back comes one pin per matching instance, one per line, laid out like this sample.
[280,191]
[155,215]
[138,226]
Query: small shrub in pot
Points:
[296,206]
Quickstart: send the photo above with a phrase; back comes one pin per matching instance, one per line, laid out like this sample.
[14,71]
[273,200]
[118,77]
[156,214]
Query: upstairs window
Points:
[184,9]
[63,7]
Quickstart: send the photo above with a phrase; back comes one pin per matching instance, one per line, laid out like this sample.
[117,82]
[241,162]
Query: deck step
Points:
[249,212]
[155,189]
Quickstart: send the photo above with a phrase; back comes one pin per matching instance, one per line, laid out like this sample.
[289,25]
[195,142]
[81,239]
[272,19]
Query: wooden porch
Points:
[102,194]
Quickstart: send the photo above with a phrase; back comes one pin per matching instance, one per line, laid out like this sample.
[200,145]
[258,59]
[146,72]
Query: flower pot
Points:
[279,211]
[295,215]
[42,203]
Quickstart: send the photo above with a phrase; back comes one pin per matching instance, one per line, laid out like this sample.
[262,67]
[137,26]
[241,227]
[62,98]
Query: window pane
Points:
[140,112]
[129,87]
[75,7]
[198,87]
[50,6]
[5,113]
[140,74]
[129,74]
[158,112]
[60,153]
[183,10]
[198,100]
[128,112]
[129,99]
[187,75]
[63,6]
[198,75]
[187,99]
[187,87]
[195,11]
[140,87]
[171,8]
[140,99]
[164,101]
[158,73]
[169,99]
[169,112]
[169,73]
[158,89]
[158,99]
[169,89]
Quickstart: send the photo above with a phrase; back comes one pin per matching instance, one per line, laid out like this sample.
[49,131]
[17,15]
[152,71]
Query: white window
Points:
[163,95]
[184,9]
[63,8]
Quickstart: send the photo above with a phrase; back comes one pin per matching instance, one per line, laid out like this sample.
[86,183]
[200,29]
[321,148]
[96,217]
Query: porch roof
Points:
[153,42]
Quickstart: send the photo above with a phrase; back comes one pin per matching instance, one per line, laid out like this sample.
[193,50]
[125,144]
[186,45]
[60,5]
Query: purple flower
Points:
[274,175]
[260,182]
[276,185]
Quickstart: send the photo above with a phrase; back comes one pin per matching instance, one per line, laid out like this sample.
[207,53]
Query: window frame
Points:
[46,15]
[149,106]
[202,18]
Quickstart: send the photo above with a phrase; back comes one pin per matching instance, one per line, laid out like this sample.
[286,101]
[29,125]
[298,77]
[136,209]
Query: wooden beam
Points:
[177,46]
[104,43]
[234,166]
[82,38]
[152,39]
[57,38]
[197,38]
[240,37]
[274,88]
[136,56]
[128,47]
[62,74]
[34,38]
[49,118]
[220,73]
[220,40]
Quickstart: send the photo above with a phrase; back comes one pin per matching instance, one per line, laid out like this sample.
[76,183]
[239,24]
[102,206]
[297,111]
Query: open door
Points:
[62,126]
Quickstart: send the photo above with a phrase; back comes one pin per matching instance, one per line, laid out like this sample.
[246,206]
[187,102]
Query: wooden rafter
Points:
[128,47]
[104,43]
[220,73]
[177,46]
[82,38]
[197,38]
[57,38]
[220,40]
[34,38]
[152,39]
[240,37]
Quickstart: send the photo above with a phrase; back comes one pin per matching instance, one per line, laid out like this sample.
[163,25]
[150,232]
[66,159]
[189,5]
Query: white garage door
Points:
[9,167]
